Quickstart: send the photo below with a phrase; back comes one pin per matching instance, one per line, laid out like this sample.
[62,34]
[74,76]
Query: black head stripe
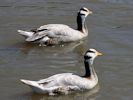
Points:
[90,51]
[83,9]
[86,57]
[82,14]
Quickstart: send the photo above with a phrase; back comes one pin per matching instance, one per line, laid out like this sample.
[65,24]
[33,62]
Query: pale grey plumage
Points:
[56,33]
[64,82]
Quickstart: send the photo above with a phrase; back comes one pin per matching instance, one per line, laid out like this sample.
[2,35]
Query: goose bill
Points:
[99,54]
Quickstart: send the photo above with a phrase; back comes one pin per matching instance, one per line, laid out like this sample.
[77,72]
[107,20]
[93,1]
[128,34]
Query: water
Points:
[110,31]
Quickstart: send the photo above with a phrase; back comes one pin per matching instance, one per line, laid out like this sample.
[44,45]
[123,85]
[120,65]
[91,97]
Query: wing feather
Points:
[51,30]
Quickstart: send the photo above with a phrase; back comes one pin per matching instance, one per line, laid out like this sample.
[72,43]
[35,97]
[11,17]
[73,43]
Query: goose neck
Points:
[81,25]
[89,69]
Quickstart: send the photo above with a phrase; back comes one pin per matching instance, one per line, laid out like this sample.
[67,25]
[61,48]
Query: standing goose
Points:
[64,82]
[51,34]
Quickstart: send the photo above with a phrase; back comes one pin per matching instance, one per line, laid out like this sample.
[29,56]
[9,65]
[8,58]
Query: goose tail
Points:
[25,33]
[29,83]
[35,86]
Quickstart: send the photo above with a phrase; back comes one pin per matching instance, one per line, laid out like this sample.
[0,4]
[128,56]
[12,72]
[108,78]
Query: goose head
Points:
[84,11]
[82,14]
[91,54]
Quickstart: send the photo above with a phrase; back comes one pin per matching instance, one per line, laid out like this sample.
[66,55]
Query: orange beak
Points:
[99,54]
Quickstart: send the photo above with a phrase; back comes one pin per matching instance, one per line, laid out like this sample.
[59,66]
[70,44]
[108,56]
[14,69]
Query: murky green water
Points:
[110,31]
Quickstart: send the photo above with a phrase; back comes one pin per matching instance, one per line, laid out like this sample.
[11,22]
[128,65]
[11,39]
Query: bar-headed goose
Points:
[51,34]
[64,82]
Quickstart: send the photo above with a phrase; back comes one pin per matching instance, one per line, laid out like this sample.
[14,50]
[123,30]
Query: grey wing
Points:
[51,31]
[38,35]
[75,80]
[44,81]
[54,77]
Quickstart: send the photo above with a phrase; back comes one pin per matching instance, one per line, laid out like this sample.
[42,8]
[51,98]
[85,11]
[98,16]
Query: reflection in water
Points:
[85,95]
[78,47]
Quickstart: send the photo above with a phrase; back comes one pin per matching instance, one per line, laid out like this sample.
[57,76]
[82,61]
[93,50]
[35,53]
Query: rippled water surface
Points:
[110,31]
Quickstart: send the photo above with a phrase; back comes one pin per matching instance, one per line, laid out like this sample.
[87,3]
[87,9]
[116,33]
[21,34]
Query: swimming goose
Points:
[64,82]
[51,34]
